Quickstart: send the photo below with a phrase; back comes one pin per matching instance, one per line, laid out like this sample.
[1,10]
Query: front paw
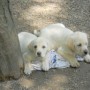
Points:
[87,58]
[45,67]
[74,64]
[27,70]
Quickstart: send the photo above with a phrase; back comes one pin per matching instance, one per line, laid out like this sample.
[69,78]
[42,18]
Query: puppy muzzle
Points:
[86,52]
[39,54]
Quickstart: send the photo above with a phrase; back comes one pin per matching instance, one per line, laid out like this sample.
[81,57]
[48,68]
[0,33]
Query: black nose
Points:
[39,53]
[85,52]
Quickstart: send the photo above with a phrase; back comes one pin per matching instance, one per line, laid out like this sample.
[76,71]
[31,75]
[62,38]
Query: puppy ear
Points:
[30,45]
[70,43]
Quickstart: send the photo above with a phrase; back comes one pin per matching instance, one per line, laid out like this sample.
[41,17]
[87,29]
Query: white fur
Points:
[42,47]
[36,32]
[72,43]
[27,42]
[25,38]
[87,58]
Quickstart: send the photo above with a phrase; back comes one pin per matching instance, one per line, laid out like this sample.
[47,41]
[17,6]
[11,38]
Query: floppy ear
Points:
[30,45]
[70,43]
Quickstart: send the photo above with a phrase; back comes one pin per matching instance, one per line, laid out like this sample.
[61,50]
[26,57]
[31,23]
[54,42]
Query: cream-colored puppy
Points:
[33,48]
[70,43]
[40,47]
[25,39]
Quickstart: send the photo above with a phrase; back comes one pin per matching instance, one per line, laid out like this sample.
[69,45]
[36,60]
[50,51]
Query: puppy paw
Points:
[45,67]
[75,64]
[87,58]
[27,70]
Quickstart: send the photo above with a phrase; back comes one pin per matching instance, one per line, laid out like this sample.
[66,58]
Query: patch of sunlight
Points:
[24,82]
[46,9]
[41,23]
[41,15]
[37,10]
[40,1]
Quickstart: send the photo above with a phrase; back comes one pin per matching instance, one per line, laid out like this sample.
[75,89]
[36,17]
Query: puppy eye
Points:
[35,46]
[43,46]
[79,45]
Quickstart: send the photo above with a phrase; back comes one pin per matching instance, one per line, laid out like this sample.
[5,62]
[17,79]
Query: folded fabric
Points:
[55,61]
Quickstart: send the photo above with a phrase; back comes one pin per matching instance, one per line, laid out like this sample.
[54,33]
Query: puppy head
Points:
[39,46]
[79,43]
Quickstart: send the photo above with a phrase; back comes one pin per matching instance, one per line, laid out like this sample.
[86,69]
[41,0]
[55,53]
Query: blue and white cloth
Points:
[55,61]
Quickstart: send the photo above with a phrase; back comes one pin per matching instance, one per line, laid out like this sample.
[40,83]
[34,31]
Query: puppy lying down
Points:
[55,61]
[72,43]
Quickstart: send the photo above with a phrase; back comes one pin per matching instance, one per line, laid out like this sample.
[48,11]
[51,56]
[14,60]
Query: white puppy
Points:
[71,43]
[40,47]
[33,49]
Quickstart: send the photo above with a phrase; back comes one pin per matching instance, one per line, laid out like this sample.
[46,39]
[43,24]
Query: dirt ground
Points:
[36,14]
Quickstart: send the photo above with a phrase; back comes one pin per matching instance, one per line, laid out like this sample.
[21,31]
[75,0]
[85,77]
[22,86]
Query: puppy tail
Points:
[36,32]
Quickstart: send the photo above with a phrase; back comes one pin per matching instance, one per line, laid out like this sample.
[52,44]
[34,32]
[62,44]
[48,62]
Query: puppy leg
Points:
[27,64]
[27,69]
[70,57]
[87,58]
[45,65]
[72,60]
